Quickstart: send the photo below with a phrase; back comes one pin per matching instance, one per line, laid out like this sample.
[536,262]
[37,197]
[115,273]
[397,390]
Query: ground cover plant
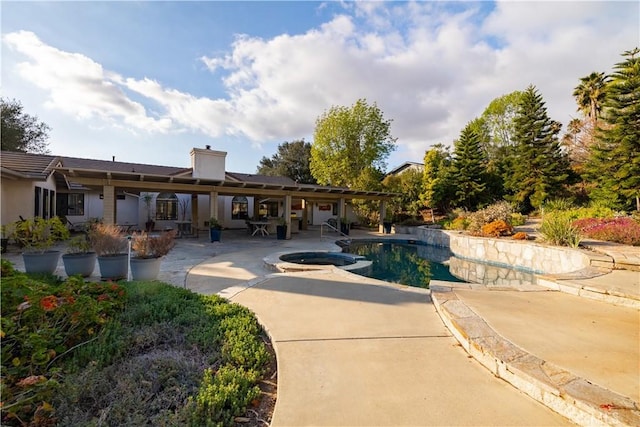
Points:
[623,230]
[138,353]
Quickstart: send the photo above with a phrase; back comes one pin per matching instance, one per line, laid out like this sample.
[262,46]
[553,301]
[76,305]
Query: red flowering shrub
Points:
[619,230]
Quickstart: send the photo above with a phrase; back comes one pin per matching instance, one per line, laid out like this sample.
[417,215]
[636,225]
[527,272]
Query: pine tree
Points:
[614,164]
[468,170]
[539,166]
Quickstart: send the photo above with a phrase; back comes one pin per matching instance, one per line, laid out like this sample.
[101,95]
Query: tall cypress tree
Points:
[614,164]
[468,170]
[539,166]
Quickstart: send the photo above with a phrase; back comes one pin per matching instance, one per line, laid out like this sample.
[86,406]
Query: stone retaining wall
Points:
[522,254]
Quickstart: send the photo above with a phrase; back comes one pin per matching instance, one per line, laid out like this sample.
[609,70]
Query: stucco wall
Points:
[523,254]
[18,198]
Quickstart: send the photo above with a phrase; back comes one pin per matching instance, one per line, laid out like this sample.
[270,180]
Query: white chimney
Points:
[208,164]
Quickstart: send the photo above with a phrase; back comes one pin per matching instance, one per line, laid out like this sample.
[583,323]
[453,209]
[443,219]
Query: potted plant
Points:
[149,250]
[215,229]
[37,236]
[345,226]
[147,198]
[281,228]
[80,258]
[386,224]
[4,238]
[111,248]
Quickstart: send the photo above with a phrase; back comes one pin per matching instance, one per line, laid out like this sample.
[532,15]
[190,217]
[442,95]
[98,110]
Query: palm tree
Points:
[590,95]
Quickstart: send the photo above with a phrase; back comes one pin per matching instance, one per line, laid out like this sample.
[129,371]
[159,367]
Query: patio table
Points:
[260,227]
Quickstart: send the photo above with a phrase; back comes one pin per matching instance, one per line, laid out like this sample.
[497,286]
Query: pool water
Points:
[405,263]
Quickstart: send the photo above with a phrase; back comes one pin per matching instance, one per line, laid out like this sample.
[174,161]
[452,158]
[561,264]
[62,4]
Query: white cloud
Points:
[430,66]
[77,85]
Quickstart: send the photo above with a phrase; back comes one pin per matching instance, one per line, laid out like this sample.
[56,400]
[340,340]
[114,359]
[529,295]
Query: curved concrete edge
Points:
[274,263]
[595,293]
[573,397]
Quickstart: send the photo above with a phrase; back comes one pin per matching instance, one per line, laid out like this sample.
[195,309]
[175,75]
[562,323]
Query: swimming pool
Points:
[406,262]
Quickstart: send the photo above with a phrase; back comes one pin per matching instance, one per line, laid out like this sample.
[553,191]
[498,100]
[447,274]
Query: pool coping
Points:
[274,263]
[574,397]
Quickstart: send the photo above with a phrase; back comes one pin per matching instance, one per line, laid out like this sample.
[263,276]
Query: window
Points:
[70,204]
[36,206]
[269,209]
[167,206]
[45,203]
[239,208]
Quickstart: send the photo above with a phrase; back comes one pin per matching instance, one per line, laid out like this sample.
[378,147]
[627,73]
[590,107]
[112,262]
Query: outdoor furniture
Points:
[259,227]
[184,228]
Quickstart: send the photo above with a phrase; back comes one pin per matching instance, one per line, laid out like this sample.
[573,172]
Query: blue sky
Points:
[147,81]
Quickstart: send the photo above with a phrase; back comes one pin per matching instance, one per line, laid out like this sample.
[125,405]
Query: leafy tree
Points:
[437,188]
[499,119]
[408,185]
[292,160]
[540,168]
[349,142]
[468,169]
[21,132]
[615,159]
[497,128]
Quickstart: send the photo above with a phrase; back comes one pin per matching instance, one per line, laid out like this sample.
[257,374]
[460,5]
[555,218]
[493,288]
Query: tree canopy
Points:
[351,145]
[292,160]
[468,169]
[21,132]
[539,167]
[614,163]
[438,190]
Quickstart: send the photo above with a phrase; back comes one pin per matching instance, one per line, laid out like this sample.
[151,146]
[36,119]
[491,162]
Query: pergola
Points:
[109,182]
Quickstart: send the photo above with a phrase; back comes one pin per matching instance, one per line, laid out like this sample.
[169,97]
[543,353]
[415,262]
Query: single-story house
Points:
[129,194]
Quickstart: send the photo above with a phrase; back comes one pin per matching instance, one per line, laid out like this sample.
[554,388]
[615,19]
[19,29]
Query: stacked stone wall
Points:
[516,253]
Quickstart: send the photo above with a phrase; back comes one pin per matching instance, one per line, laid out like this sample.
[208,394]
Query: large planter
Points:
[344,228]
[281,232]
[41,262]
[82,264]
[386,225]
[113,267]
[145,268]
[215,234]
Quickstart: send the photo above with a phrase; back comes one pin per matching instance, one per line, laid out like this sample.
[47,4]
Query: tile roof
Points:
[114,166]
[27,165]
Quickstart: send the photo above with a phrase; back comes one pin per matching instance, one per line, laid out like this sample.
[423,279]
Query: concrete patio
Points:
[356,351]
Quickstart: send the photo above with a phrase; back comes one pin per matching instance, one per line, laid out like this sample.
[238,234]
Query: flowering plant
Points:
[41,324]
[623,230]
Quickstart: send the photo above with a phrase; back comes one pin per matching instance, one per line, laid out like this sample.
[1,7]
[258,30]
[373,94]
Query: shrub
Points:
[557,229]
[107,240]
[498,211]
[618,230]
[496,229]
[411,222]
[38,234]
[518,219]
[520,236]
[147,246]
[561,204]
[459,223]
[222,396]
[41,324]
[168,344]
